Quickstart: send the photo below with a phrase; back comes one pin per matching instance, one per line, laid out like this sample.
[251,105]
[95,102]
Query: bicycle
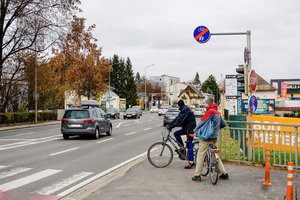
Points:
[211,164]
[160,154]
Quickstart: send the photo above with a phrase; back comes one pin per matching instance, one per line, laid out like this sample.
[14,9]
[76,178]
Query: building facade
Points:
[293,88]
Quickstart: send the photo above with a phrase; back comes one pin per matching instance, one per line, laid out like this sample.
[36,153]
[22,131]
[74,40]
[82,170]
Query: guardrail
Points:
[246,142]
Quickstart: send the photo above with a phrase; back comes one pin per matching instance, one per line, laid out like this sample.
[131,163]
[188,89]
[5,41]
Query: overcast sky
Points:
[160,32]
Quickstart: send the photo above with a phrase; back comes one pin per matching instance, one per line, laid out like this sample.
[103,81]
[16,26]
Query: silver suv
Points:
[88,120]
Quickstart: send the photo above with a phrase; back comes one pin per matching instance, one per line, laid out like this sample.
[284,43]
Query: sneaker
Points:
[224,176]
[190,165]
[197,178]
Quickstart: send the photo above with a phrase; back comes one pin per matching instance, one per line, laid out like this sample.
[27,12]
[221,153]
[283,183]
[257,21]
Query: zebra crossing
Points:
[13,178]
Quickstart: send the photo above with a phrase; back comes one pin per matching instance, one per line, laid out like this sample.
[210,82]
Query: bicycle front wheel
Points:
[160,154]
[214,170]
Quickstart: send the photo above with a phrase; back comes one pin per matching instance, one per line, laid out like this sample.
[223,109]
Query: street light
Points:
[146,84]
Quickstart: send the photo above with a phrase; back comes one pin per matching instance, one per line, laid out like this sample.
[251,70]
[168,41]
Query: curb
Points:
[28,126]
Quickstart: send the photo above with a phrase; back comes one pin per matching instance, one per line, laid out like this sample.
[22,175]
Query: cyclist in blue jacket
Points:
[186,120]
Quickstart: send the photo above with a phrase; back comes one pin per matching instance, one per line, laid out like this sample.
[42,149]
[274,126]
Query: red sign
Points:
[252,81]
[283,90]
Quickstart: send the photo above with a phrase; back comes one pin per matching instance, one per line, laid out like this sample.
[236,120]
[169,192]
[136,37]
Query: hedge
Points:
[21,117]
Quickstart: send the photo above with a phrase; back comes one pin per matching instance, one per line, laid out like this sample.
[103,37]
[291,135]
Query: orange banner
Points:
[279,137]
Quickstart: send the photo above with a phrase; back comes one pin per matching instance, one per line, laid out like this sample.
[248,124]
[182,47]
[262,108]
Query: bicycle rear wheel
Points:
[205,168]
[214,170]
[160,154]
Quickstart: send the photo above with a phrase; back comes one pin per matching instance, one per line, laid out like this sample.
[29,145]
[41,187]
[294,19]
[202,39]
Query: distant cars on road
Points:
[170,115]
[153,109]
[113,113]
[199,111]
[131,113]
[87,120]
[138,108]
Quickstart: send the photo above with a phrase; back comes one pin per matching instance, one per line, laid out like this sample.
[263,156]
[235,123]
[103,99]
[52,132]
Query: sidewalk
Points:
[143,181]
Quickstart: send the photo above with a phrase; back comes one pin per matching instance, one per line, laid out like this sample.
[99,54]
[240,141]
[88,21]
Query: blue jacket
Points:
[185,119]
[213,112]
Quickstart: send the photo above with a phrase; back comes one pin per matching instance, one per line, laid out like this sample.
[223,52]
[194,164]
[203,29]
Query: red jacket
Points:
[212,109]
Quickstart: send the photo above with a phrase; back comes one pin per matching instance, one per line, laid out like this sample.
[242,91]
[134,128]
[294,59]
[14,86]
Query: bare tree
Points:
[26,26]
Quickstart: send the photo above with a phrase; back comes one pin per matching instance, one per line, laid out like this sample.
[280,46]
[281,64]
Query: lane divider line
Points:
[105,140]
[60,152]
[130,133]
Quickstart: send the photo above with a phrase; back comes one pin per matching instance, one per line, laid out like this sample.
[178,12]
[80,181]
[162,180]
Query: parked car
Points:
[131,113]
[170,115]
[153,109]
[113,113]
[85,121]
[139,109]
[199,111]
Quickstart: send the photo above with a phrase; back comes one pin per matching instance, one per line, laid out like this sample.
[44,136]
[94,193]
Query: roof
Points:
[263,85]
[190,88]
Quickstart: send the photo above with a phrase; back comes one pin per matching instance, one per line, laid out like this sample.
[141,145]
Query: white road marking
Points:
[60,152]
[119,124]
[104,140]
[64,183]
[28,142]
[13,172]
[146,129]
[127,125]
[158,126]
[28,179]
[97,176]
[54,129]
[130,133]
[25,133]
[3,166]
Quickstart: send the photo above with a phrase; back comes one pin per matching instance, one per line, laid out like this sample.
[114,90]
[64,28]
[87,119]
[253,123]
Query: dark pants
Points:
[189,143]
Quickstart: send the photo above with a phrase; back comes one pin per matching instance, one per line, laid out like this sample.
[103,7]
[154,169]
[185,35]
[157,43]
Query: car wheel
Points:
[124,117]
[109,133]
[66,137]
[97,133]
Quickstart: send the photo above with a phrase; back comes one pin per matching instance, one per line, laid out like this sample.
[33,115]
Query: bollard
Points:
[289,184]
[267,169]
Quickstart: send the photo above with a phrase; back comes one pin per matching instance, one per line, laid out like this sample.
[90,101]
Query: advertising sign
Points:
[264,106]
[284,90]
[278,136]
[230,85]
[231,105]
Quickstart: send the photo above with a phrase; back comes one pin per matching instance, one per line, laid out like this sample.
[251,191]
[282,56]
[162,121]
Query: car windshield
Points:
[172,113]
[76,114]
[110,110]
[130,110]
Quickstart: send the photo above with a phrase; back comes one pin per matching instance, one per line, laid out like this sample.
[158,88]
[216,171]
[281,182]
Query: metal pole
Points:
[35,84]
[145,104]
[109,90]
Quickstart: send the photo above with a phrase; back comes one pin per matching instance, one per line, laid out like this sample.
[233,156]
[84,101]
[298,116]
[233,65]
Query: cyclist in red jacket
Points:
[211,109]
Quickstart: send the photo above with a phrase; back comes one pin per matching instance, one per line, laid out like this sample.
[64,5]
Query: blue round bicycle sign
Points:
[252,103]
[201,34]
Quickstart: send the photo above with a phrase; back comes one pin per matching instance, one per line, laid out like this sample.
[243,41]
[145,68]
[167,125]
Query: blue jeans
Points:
[189,143]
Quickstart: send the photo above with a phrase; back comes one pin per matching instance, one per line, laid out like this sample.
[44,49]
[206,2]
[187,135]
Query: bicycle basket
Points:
[165,133]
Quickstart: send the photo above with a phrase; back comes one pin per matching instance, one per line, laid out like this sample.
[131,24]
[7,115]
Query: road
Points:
[37,162]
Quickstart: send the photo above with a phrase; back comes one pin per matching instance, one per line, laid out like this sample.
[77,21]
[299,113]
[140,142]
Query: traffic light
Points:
[242,80]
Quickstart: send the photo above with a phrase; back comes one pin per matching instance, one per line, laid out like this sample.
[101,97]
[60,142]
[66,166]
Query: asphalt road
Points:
[38,163]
